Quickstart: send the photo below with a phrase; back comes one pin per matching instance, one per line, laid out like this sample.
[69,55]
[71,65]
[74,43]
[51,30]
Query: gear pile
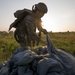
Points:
[42,62]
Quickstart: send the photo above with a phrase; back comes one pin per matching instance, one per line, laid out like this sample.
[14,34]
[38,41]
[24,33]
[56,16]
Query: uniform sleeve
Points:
[30,24]
[39,26]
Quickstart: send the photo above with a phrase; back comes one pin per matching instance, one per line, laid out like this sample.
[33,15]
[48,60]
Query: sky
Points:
[59,18]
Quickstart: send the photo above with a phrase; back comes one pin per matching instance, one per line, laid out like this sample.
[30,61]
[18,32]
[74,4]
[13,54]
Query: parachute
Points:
[45,61]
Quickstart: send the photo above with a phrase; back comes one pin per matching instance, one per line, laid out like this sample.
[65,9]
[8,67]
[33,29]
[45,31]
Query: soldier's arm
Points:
[29,24]
[39,26]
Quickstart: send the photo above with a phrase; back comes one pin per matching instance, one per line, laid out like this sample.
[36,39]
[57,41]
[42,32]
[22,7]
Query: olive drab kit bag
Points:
[19,15]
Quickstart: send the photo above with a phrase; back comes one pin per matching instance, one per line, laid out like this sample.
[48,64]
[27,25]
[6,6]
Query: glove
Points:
[45,31]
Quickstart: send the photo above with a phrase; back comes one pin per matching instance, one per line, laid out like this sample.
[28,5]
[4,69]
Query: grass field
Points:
[62,40]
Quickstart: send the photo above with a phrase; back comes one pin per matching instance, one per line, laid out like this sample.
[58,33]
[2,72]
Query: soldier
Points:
[26,23]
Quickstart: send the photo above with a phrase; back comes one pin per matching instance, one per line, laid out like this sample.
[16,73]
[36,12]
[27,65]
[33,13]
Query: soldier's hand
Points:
[10,27]
[45,31]
[44,42]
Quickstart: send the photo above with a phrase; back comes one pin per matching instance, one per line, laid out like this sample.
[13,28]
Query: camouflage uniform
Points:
[25,32]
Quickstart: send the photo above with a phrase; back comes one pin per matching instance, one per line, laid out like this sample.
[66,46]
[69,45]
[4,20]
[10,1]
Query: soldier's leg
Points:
[20,37]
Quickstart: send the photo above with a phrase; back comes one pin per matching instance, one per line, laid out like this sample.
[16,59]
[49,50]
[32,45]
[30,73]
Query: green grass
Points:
[64,40]
[7,46]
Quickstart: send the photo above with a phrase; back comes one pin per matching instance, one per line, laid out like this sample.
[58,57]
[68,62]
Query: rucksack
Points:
[20,14]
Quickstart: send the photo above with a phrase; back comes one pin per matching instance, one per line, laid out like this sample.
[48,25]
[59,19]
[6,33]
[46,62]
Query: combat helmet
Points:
[41,7]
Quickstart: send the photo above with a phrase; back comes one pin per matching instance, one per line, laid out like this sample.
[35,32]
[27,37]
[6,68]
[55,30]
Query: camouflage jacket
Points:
[26,25]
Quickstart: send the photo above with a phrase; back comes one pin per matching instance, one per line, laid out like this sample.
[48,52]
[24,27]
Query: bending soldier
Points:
[26,23]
